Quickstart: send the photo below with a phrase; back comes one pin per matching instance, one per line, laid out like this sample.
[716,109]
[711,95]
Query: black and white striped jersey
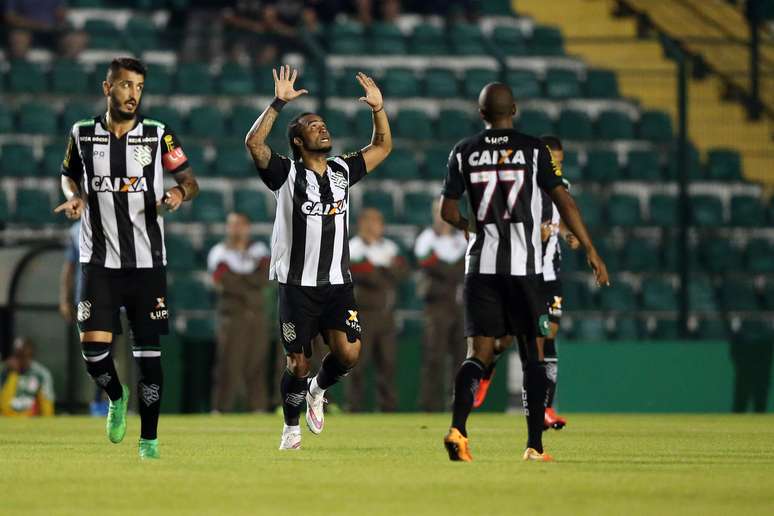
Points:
[503,172]
[310,241]
[552,251]
[122,179]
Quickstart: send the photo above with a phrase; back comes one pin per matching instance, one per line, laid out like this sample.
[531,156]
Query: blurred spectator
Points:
[240,272]
[40,23]
[26,388]
[377,269]
[440,251]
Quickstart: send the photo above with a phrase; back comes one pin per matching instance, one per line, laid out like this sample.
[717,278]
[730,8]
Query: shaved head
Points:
[496,102]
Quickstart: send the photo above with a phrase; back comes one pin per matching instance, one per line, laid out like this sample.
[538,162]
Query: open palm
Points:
[373,96]
[284,81]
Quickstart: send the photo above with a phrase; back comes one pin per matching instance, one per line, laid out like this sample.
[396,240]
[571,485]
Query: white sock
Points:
[315,389]
[291,429]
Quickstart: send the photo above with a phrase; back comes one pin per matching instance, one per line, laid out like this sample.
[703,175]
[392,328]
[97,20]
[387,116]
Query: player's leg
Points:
[501,345]
[553,300]
[293,387]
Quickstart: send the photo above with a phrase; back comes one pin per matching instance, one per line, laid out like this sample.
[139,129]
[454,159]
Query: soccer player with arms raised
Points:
[310,245]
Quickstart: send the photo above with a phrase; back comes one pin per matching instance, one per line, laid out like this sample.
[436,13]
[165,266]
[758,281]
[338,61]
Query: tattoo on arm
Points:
[256,137]
[378,138]
[187,182]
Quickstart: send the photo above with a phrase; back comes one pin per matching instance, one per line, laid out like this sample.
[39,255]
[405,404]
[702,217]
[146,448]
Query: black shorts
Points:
[498,305]
[552,296]
[142,293]
[304,312]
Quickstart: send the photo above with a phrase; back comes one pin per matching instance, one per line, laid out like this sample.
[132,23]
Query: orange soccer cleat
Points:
[457,446]
[531,454]
[553,420]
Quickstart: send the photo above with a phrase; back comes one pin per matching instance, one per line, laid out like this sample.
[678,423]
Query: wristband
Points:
[182,190]
[278,104]
[380,109]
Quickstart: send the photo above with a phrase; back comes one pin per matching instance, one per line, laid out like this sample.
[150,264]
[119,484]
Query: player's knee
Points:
[349,355]
[298,365]
[553,331]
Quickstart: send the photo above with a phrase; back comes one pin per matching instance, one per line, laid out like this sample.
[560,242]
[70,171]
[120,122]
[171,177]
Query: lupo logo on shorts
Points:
[160,312]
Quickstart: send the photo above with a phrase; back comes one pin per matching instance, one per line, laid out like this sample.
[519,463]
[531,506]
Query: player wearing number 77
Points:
[502,171]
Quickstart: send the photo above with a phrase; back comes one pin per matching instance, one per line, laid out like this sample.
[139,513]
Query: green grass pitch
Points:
[392,465]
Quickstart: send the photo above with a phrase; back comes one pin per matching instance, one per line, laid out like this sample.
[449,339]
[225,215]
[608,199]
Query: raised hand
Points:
[373,96]
[283,84]
[72,208]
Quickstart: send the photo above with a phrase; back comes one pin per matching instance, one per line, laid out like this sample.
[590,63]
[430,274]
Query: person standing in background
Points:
[377,270]
[440,252]
[26,387]
[239,271]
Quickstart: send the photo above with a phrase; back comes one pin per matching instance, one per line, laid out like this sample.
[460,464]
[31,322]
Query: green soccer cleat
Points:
[149,449]
[116,418]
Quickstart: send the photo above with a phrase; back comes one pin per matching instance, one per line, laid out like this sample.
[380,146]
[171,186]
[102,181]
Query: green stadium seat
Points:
[695,170]
[562,84]
[347,84]
[428,39]
[413,124]
[453,124]
[590,207]
[466,39]
[758,256]
[347,38]
[37,118]
[188,293]
[658,295]
[158,81]
[232,161]
[18,160]
[142,35]
[70,77]
[197,161]
[639,255]
[706,211]
[380,200]
[748,211]
[546,41]
[386,39]
[601,166]
[614,125]
[627,328]
[4,211]
[34,206]
[701,294]
[181,254]
[663,210]
[666,329]
[206,122]
[209,208]
[436,161]
[103,34]
[525,84]
[338,123]
[416,208]
[618,297]
[571,167]
[441,83]
[738,294]
[401,83]
[601,84]
[590,328]
[510,41]
[362,123]
[577,295]
[643,165]
[724,165]
[574,124]
[719,255]
[655,126]
[236,79]
[671,257]
[194,79]
[475,79]
[253,204]
[611,251]
[53,154]
[309,78]
[74,111]
[166,115]
[26,77]
[242,119]
[402,165]
[6,120]
[712,328]
[535,122]
[624,210]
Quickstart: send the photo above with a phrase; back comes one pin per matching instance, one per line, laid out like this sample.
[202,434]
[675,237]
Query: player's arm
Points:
[381,138]
[453,188]
[175,162]
[568,236]
[284,92]
[72,171]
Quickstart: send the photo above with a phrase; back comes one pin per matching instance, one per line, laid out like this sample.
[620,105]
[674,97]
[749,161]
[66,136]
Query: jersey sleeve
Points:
[276,172]
[549,175]
[173,159]
[72,166]
[454,183]
[356,165]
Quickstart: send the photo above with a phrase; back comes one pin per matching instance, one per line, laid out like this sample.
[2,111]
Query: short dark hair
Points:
[552,142]
[126,63]
[294,129]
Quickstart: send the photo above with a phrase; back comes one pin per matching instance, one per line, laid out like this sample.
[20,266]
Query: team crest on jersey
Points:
[119,184]
[324,208]
[143,155]
[289,331]
[338,179]
[352,320]
[84,311]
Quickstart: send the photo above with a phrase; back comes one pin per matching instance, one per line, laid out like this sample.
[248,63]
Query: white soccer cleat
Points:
[291,440]
[315,414]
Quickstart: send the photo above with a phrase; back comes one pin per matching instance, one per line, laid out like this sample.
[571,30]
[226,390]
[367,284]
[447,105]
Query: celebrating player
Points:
[310,245]
[113,179]
[503,172]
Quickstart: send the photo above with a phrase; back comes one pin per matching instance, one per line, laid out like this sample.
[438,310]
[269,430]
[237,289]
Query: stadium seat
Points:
[232,161]
[590,207]
[380,200]
[402,166]
[6,119]
[627,328]
[209,207]
[242,119]
[475,79]
[535,122]
[181,254]
[413,124]
[194,79]
[196,160]
[37,118]
[706,211]
[711,328]
[671,256]
[436,161]
[18,160]
[142,35]
[346,38]
[26,77]
[525,84]
[643,165]
[600,84]
[264,80]
[428,39]
[738,294]
[454,124]
[748,211]
[70,77]
[546,41]
[4,211]
[167,115]
[188,293]
[590,328]
[416,208]
[571,168]
[574,124]
[614,125]
[103,34]
[401,83]
[719,255]
[34,206]
[639,255]
[608,248]
[655,126]
[466,39]
[666,329]
[663,210]
[338,123]
[658,295]
[623,210]
[562,84]
[701,293]
[236,79]
[347,85]
[253,204]
[386,39]
[601,166]
[618,297]
[441,83]
[206,121]
[158,81]
[510,41]
[53,154]
[758,256]
[577,295]
[695,170]
[724,165]
[74,111]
